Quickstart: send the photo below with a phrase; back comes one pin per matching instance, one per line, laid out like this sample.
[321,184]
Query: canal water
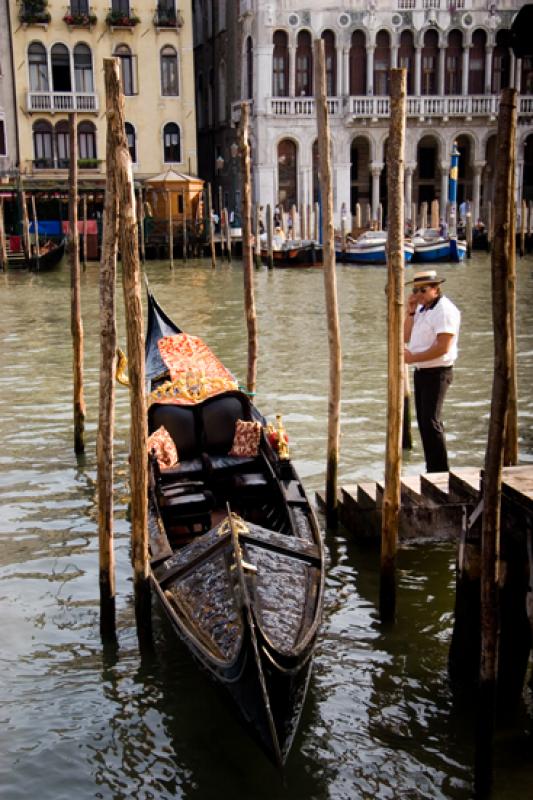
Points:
[380,720]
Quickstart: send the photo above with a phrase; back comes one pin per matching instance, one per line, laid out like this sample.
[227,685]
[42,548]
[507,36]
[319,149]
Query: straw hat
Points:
[426,276]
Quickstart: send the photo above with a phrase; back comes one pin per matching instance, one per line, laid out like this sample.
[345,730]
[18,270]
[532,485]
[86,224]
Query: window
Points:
[79,7]
[476,70]
[331,63]
[60,58]
[38,68]
[62,144]
[382,64]
[83,68]
[430,63]
[121,5]
[3,149]
[501,62]
[132,144]
[527,75]
[127,71]
[358,64]
[280,65]
[249,69]
[304,65]
[454,63]
[43,149]
[287,174]
[171,143]
[406,58]
[86,141]
[169,72]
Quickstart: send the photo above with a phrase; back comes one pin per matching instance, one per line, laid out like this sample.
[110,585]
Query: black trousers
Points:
[431,385]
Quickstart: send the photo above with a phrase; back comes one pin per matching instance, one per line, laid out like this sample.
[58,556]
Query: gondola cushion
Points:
[246,439]
[180,423]
[219,419]
[160,442]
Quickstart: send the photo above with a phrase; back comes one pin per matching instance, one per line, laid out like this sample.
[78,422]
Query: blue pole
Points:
[452,187]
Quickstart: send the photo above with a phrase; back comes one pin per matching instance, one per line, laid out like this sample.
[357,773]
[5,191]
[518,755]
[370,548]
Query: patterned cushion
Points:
[165,450]
[246,439]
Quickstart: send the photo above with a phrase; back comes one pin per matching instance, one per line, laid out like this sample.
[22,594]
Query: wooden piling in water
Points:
[211,227]
[303,231]
[468,234]
[108,347]
[270,233]
[36,231]
[294,215]
[424,215]
[129,249]
[84,244]
[379,220]
[435,217]
[26,243]
[227,229]
[249,299]
[494,456]
[76,324]
[414,217]
[140,206]
[184,237]
[523,228]
[357,218]
[395,304]
[316,222]
[490,224]
[257,240]
[3,247]
[330,284]
[170,231]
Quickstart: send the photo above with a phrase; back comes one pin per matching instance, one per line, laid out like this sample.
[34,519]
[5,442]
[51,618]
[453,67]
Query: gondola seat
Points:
[180,422]
[219,419]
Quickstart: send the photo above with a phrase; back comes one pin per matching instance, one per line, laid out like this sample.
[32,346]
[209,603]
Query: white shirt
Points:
[443,317]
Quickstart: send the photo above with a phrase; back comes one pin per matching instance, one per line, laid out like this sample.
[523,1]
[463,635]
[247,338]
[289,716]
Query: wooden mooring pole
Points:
[247,251]
[108,347]
[211,227]
[26,244]
[330,285]
[76,324]
[131,282]
[492,481]
[185,243]
[270,234]
[36,231]
[84,247]
[140,206]
[170,231]
[390,517]
[3,247]
[257,240]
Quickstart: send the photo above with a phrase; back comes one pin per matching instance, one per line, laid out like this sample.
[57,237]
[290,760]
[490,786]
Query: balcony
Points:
[52,102]
[167,19]
[303,106]
[122,19]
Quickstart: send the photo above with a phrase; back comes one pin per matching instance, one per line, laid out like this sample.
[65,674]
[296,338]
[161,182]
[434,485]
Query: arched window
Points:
[430,63]
[38,68]
[169,72]
[43,147]
[171,143]
[330,55]
[476,70]
[62,144]
[527,75]
[382,63]
[60,59]
[132,141]
[249,69]
[406,58]
[83,68]
[280,65]
[287,189]
[501,62]
[87,141]
[304,65]
[221,92]
[454,63]
[127,69]
[358,63]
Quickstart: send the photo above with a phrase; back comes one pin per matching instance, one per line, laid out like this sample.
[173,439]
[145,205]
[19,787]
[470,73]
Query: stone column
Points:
[444,173]
[466,66]
[292,70]
[375,169]
[339,77]
[418,71]
[346,71]
[518,78]
[488,70]
[370,69]
[442,70]
[476,191]
[394,56]
[263,77]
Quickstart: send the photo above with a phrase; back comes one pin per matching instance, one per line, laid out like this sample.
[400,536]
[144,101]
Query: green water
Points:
[380,721]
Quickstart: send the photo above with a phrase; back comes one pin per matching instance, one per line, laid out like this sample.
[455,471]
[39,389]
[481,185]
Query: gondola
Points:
[48,259]
[292,252]
[237,559]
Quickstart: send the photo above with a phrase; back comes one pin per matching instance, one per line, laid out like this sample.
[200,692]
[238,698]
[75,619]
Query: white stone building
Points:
[457,58]
[8,137]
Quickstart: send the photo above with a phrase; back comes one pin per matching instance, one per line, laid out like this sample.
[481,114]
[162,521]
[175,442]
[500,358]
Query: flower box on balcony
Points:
[121,19]
[80,20]
[167,19]
[88,163]
[34,15]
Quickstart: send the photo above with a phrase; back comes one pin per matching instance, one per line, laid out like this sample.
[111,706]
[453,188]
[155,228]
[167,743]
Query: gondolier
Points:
[431,332]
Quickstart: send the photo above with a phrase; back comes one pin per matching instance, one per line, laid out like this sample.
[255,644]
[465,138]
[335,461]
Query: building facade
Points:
[457,57]
[8,136]
[58,53]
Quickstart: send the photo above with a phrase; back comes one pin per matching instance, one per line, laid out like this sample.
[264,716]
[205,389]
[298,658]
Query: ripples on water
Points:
[379,721]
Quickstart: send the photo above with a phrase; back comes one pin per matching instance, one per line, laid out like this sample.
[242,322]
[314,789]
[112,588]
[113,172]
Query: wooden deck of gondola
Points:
[432,505]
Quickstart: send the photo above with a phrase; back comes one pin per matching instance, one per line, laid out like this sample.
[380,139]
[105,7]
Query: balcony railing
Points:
[302,106]
[428,106]
[64,163]
[168,18]
[61,101]
[447,5]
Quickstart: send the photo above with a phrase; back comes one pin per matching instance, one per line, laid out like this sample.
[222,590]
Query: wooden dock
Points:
[433,505]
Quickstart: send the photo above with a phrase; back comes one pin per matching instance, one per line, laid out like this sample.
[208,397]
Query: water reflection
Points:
[379,720]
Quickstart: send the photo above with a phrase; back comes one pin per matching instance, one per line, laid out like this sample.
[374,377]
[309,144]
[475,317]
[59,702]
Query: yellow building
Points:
[58,53]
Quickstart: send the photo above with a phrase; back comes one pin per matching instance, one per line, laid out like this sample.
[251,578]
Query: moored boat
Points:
[369,248]
[236,553]
[430,246]
[293,252]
